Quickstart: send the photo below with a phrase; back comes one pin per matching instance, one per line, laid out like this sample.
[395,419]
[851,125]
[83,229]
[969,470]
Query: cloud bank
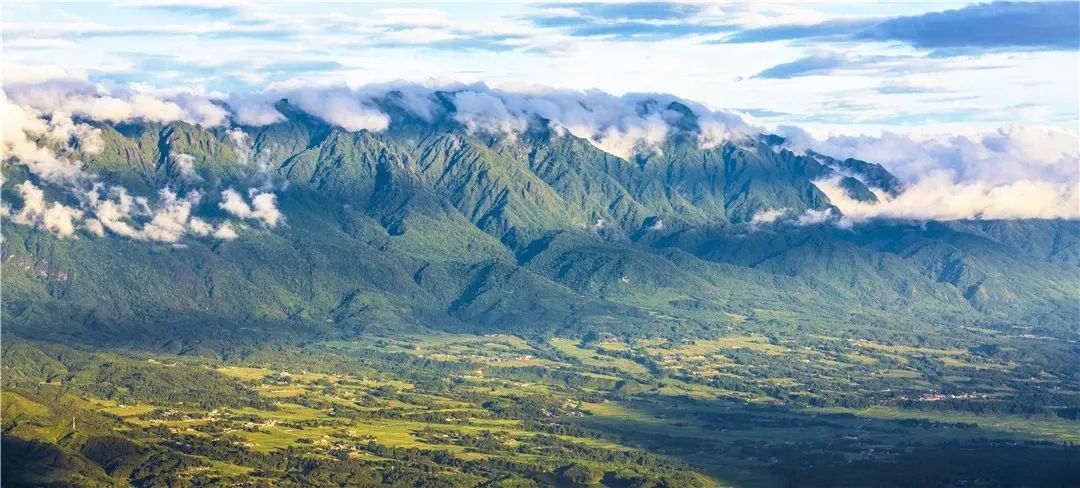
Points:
[1009,173]
[620,125]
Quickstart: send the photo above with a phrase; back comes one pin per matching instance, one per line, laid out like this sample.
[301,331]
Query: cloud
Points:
[48,144]
[994,156]
[201,9]
[114,210]
[94,227]
[1035,25]
[253,110]
[816,217]
[171,220]
[185,164]
[485,111]
[242,144]
[818,64]
[977,27]
[637,21]
[839,28]
[765,217]
[640,11]
[225,232]
[74,136]
[1010,173]
[939,196]
[55,217]
[168,219]
[77,96]
[911,86]
[24,126]
[632,136]
[339,106]
[453,40]
[200,227]
[262,208]
[620,125]
[821,62]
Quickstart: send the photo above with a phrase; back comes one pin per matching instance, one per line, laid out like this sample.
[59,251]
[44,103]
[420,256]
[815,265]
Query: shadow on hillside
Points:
[768,446]
[32,463]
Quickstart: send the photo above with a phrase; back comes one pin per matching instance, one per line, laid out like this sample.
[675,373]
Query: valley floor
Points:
[435,409]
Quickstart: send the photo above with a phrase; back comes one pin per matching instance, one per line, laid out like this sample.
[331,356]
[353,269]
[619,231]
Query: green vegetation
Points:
[464,410]
[446,308]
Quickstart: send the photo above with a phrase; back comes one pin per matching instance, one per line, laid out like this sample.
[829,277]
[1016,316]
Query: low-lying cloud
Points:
[766,217]
[1009,173]
[43,136]
[939,196]
[263,207]
[54,216]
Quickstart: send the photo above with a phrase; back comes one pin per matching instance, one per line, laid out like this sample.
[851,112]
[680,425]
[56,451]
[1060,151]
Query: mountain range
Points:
[435,224]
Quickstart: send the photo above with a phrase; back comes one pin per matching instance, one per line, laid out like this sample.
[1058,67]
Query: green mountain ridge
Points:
[429,225]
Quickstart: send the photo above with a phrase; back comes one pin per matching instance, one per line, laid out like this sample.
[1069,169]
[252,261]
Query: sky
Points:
[973,106]
[846,67]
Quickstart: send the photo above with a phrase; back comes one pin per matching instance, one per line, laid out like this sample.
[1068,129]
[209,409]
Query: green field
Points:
[715,412]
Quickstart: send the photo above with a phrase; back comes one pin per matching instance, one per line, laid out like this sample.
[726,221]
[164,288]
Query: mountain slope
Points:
[429,224]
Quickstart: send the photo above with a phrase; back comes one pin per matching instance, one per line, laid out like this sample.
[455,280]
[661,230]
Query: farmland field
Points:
[475,408]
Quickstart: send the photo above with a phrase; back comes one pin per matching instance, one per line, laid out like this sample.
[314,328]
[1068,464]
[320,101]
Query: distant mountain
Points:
[429,224]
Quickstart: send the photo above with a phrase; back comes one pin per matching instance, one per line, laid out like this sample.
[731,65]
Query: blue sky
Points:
[846,67]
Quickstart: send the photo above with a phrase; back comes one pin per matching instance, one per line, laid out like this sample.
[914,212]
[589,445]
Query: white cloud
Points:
[765,217]
[939,196]
[23,126]
[621,126]
[815,217]
[45,140]
[486,112]
[54,217]
[167,220]
[635,136]
[262,208]
[170,220]
[241,143]
[342,107]
[995,156]
[1009,173]
[113,211]
[200,227]
[74,94]
[185,163]
[94,227]
[80,136]
[254,110]
[225,232]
